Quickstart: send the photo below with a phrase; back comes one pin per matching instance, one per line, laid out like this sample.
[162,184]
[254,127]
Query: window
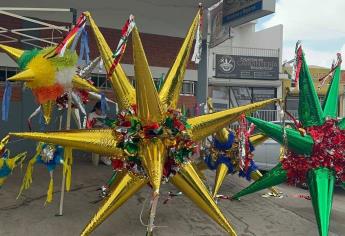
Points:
[292,102]
[188,88]
[2,74]
[220,97]
[261,94]
[11,72]
[7,72]
[158,83]
[225,97]
[100,81]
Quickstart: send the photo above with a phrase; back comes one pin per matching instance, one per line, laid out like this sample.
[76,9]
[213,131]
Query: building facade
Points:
[317,73]
[247,68]
[161,51]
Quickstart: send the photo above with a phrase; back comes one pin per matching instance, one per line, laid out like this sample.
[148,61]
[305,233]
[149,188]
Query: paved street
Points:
[253,215]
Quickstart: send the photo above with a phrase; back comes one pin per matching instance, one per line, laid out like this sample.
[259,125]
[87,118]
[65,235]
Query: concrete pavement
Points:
[252,216]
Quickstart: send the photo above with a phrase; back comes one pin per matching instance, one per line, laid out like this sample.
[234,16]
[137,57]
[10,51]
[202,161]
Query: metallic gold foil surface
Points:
[257,139]
[47,109]
[199,171]
[102,141]
[14,53]
[81,83]
[221,172]
[10,163]
[222,135]
[152,154]
[188,181]
[148,103]
[170,91]
[4,142]
[123,90]
[124,187]
[205,125]
[24,76]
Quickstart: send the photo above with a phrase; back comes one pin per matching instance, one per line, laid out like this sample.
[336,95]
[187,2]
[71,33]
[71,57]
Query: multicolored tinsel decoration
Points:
[130,130]
[121,47]
[245,148]
[328,150]
[315,156]
[230,153]
[8,164]
[49,155]
[225,158]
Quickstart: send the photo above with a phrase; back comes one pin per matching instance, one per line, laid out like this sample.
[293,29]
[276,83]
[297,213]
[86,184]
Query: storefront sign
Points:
[237,12]
[247,67]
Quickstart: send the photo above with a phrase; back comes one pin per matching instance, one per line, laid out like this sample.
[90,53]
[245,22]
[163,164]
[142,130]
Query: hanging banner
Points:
[218,32]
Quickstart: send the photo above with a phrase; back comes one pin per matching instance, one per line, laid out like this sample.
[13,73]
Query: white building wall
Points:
[246,36]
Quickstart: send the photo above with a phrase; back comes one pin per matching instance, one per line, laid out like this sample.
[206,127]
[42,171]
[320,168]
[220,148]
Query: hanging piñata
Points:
[49,72]
[49,155]
[229,153]
[7,164]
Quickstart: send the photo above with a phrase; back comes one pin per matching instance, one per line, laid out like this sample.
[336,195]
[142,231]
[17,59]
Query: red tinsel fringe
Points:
[328,151]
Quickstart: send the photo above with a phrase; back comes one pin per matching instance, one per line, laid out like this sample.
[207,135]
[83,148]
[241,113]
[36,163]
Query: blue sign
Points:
[242,12]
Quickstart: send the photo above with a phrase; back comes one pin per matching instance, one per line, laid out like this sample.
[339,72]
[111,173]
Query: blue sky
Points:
[319,24]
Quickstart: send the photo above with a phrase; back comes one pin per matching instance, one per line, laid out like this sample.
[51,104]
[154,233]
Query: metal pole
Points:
[74,15]
[33,9]
[34,21]
[68,126]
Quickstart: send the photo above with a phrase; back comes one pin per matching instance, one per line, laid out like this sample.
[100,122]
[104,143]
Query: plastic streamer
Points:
[61,47]
[297,62]
[84,48]
[6,99]
[75,41]
[323,79]
[198,42]
[121,47]
[35,113]
[41,122]
[104,104]
[48,155]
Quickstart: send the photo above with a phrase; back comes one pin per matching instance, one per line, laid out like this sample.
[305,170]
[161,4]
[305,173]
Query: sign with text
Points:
[237,12]
[247,67]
